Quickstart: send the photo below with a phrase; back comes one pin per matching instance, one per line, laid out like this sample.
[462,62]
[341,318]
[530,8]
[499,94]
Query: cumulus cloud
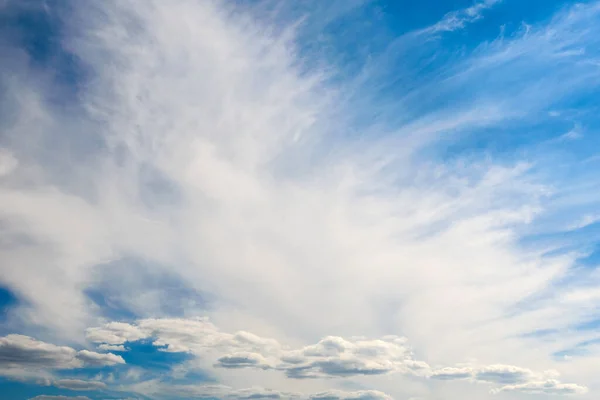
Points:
[19,351]
[503,374]
[194,335]
[336,356]
[512,379]
[93,359]
[115,333]
[330,357]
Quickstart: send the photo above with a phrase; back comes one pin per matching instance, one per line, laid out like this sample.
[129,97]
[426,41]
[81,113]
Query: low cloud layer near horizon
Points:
[358,200]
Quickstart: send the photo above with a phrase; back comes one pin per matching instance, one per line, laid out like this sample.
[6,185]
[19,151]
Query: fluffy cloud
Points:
[18,351]
[331,357]
[513,379]
[336,356]
[195,335]
[115,333]
[93,359]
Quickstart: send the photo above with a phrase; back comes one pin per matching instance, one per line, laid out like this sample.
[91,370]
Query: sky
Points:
[311,200]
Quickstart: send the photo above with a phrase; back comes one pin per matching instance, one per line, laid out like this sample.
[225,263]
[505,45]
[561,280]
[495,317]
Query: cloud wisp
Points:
[162,162]
[456,20]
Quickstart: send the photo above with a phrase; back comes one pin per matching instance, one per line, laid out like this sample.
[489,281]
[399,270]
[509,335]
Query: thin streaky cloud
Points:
[456,20]
[245,199]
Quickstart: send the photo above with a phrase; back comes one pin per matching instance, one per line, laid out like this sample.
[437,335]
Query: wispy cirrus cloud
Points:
[197,143]
[459,19]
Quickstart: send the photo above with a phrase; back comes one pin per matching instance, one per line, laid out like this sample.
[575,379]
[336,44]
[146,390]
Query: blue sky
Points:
[252,199]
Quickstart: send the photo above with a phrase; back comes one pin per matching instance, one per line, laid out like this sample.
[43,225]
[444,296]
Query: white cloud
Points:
[18,351]
[452,373]
[336,356]
[78,384]
[93,359]
[156,388]
[27,375]
[111,347]
[49,397]
[573,134]
[459,19]
[507,374]
[202,147]
[115,333]
[584,221]
[511,378]
[331,357]
[551,387]
[360,395]
[7,162]
[503,374]
[197,336]
[243,360]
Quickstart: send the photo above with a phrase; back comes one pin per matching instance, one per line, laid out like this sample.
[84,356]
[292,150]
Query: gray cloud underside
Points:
[78,384]
[157,389]
[18,351]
